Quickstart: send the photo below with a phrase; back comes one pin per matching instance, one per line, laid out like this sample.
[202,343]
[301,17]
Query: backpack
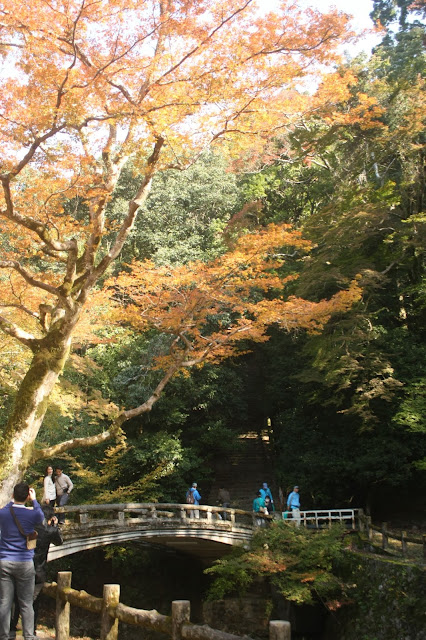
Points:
[190,497]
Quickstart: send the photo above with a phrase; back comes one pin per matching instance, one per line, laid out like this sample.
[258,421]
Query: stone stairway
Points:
[245,471]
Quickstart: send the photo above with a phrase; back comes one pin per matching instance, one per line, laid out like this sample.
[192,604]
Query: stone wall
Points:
[389,602]
[243,616]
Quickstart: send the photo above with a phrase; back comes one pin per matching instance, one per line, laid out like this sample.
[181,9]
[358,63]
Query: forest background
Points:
[284,282]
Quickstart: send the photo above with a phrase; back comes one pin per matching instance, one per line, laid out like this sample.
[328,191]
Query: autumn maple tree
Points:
[207,308]
[88,86]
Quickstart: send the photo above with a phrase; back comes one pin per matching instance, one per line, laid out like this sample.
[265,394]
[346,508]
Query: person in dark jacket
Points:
[16,560]
[48,533]
[224,499]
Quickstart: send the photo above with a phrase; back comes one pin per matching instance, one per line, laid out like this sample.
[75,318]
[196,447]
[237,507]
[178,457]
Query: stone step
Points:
[245,471]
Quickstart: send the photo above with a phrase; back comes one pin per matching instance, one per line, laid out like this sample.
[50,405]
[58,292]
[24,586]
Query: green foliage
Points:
[196,422]
[386,12]
[347,405]
[298,562]
[231,574]
[335,463]
[185,214]
[412,410]
[388,599]
[289,191]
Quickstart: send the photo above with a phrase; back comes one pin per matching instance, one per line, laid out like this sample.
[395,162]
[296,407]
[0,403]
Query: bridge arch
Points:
[205,531]
[208,532]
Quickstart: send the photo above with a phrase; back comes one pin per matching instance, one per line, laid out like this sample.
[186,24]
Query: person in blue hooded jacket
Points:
[265,492]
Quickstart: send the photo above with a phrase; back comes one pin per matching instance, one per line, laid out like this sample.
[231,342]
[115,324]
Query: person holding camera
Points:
[48,533]
[63,486]
[16,559]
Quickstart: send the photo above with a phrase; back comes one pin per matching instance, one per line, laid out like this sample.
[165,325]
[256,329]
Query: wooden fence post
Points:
[279,630]
[404,542]
[384,535]
[83,517]
[109,625]
[361,519]
[368,528]
[62,607]
[181,613]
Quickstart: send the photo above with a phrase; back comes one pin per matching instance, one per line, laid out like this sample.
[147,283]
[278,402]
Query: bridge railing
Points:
[129,514]
[321,518]
[111,611]
[132,514]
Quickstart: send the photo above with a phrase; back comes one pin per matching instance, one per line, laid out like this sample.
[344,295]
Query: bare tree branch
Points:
[30,223]
[126,226]
[147,406]
[21,307]
[67,445]
[13,264]
[16,332]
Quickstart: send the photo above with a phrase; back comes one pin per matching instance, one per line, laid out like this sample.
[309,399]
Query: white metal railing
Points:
[320,518]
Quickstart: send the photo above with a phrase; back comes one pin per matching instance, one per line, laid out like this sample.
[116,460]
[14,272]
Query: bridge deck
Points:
[201,530]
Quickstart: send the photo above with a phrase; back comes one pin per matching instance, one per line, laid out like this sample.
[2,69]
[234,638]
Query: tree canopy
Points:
[85,89]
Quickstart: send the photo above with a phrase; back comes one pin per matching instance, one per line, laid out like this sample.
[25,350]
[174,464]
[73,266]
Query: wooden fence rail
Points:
[111,611]
[403,538]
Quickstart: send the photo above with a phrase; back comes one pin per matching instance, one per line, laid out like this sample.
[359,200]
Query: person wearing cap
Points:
[265,492]
[195,500]
[293,504]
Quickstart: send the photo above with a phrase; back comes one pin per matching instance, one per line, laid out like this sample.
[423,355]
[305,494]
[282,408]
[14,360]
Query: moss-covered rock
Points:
[389,602]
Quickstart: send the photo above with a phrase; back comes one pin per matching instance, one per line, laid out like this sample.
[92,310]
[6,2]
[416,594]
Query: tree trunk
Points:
[50,354]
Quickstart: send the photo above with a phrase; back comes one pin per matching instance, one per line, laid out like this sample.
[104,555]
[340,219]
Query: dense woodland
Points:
[195,244]
[279,283]
[212,223]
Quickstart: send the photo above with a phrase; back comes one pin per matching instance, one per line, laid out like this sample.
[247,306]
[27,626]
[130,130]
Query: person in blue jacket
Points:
[265,492]
[259,508]
[193,497]
[293,504]
[16,561]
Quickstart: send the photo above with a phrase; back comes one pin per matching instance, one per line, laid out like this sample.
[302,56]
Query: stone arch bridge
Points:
[205,531]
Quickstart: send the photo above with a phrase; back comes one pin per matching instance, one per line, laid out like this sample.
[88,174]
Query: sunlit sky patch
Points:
[359,9]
